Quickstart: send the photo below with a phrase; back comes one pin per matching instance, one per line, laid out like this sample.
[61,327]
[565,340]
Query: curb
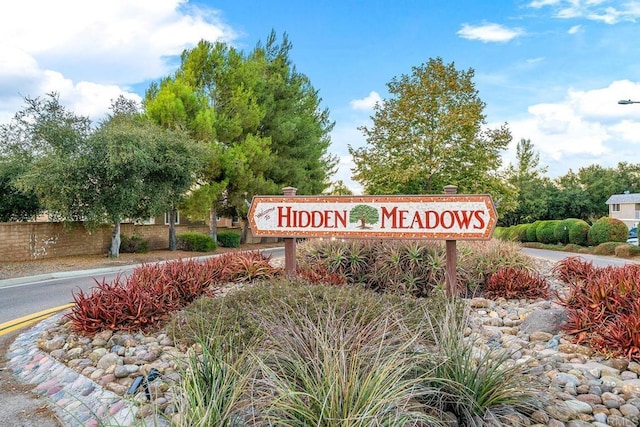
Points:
[76,399]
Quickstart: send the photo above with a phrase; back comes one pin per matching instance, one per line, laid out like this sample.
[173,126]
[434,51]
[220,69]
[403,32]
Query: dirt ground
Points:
[19,406]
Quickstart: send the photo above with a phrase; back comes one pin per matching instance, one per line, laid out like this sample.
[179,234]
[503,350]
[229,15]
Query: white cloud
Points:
[534,61]
[489,33]
[366,103]
[586,127]
[90,52]
[594,10]
[541,3]
[627,130]
[575,29]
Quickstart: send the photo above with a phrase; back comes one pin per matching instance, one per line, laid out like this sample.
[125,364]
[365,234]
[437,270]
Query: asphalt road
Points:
[24,296]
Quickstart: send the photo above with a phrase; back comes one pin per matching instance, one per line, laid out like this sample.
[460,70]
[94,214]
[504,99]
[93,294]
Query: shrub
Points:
[511,234]
[197,242]
[607,248]
[408,267]
[229,239]
[561,232]
[573,269]
[352,259]
[578,231]
[532,231]
[322,355]
[607,230]
[520,232]
[240,312]
[241,267]
[545,231]
[329,367]
[498,233]
[212,386]
[515,283]
[134,245]
[477,260]
[319,274]
[627,251]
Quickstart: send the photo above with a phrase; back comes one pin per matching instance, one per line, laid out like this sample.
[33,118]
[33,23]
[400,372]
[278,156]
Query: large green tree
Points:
[528,178]
[294,120]
[45,138]
[207,97]
[126,168]
[429,134]
[566,198]
[268,130]
[139,168]
[15,204]
[600,183]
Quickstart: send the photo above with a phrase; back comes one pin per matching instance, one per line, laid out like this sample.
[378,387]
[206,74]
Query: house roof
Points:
[623,198]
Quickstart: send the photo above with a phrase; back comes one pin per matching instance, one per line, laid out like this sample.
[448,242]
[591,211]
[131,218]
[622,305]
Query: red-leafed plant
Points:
[574,269]
[115,306]
[515,283]
[619,336]
[603,309]
[151,292]
[241,267]
[319,274]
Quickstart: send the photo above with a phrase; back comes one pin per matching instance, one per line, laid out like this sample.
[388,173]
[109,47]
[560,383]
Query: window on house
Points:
[235,220]
[166,218]
[615,207]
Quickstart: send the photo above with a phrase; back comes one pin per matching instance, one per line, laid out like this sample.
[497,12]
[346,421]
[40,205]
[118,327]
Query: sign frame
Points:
[488,220]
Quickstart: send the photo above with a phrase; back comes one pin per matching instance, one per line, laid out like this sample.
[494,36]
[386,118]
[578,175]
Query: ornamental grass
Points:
[341,356]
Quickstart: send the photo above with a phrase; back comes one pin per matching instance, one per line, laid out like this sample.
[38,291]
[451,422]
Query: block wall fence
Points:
[24,241]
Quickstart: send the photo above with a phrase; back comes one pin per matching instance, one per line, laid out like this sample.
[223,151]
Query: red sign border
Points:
[365,234]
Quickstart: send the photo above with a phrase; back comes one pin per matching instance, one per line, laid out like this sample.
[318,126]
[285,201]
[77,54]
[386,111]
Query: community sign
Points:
[445,217]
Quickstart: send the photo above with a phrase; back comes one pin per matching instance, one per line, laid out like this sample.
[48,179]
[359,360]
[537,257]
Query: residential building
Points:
[625,207]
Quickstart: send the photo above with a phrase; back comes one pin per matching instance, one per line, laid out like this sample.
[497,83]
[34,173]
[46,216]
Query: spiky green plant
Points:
[479,385]
[212,386]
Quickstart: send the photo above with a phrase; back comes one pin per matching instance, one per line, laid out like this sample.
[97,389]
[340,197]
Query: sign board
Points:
[444,217]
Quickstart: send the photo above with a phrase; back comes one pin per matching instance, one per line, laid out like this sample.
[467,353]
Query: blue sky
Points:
[552,69]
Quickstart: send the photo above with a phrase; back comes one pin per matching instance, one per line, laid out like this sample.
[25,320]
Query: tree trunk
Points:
[213,224]
[245,231]
[173,241]
[114,252]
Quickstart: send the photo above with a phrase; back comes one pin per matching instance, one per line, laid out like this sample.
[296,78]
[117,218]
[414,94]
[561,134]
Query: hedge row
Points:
[568,231]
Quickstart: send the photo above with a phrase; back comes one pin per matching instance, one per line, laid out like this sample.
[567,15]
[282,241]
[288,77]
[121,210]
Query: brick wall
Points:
[23,241]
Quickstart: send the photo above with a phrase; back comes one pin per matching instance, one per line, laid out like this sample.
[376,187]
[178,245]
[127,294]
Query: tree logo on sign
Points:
[364,214]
